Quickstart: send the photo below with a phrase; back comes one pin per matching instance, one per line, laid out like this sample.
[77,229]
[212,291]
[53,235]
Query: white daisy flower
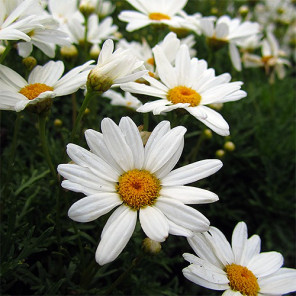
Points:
[120,172]
[64,11]
[14,25]
[117,99]
[272,58]
[45,38]
[152,12]
[44,83]
[114,68]
[96,31]
[238,269]
[170,45]
[188,85]
[228,31]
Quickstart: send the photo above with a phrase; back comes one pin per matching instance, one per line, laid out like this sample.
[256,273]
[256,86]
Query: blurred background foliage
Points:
[45,253]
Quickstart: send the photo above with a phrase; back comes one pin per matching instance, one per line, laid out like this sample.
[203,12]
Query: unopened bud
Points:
[151,246]
[29,62]
[58,122]
[86,111]
[98,82]
[214,10]
[229,146]
[86,7]
[217,106]
[220,153]
[94,51]
[208,133]
[69,52]
[243,10]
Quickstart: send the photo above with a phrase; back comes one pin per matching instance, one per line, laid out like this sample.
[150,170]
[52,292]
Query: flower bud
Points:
[220,153]
[69,52]
[97,81]
[243,10]
[208,133]
[229,146]
[58,122]
[86,7]
[29,62]
[151,246]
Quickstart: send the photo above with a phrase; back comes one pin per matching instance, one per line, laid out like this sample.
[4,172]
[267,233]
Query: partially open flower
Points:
[114,68]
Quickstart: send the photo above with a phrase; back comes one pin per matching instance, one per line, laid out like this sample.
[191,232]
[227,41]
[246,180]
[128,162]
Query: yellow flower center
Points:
[158,16]
[241,279]
[216,43]
[150,61]
[32,91]
[184,94]
[266,59]
[138,188]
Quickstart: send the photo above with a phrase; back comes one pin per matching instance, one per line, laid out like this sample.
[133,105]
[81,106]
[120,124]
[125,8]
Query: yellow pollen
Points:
[151,74]
[241,279]
[158,16]
[138,188]
[32,91]
[266,59]
[184,94]
[150,61]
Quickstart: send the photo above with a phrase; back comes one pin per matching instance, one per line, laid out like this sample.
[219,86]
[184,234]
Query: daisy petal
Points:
[92,207]
[239,240]
[87,159]
[154,223]
[195,278]
[265,263]
[192,172]
[116,236]
[182,215]
[179,230]
[133,139]
[117,145]
[95,142]
[221,246]
[188,194]
[165,148]
[203,249]
[281,282]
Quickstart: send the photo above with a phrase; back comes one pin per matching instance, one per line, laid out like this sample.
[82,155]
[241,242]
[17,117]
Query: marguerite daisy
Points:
[228,31]
[14,24]
[44,83]
[239,268]
[114,68]
[120,172]
[189,85]
[117,99]
[153,12]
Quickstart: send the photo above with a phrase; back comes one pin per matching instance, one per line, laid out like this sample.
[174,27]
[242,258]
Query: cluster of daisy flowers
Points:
[125,172]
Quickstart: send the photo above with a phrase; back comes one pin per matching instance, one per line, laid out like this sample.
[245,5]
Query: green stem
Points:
[146,121]
[5,53]
[42,122]
[84,105]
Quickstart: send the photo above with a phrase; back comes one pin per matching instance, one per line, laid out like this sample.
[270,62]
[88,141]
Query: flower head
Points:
[113,68]
[153,12]
[239,268]
[228,31]
[121,172]
[44,83]
[189,85]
